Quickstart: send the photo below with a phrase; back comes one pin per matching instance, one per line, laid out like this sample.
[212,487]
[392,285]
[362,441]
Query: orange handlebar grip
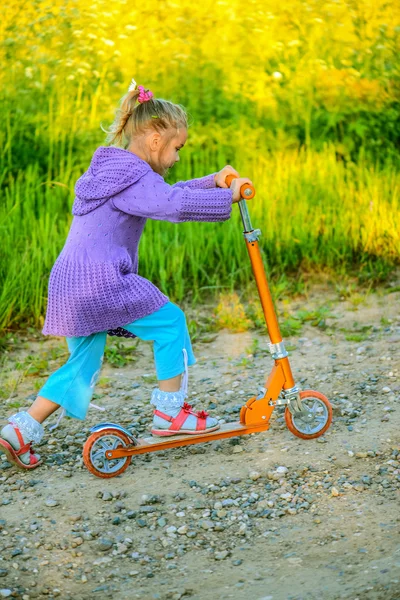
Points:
[247,191]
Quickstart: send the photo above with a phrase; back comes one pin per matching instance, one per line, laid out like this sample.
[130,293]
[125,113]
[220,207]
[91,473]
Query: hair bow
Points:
[144,95]
[132,87]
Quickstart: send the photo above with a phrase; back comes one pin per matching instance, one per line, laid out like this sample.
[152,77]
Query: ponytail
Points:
[133,118]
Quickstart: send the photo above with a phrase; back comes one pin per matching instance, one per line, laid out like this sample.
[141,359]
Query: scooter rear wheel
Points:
[316,404]
[94,453]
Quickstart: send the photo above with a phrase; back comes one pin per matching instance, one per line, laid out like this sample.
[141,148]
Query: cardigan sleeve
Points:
[152,198]
[202,183]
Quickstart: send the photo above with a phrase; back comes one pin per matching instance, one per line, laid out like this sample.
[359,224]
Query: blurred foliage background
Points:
[301,96]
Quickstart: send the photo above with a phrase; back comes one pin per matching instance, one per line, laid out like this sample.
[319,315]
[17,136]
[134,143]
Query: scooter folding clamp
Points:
[252,236]
[278,350]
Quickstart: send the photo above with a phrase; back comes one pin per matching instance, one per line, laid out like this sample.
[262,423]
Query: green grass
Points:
[314,213]
[118,354]
[303,98]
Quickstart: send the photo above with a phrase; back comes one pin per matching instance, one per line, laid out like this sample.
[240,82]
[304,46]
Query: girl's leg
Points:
[42,408]
[70,387]
[172,353]
[167,328]
[170,385]
[174,383]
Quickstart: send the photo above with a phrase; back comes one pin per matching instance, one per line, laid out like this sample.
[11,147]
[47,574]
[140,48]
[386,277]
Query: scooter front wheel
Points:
[316,418]
[94,453]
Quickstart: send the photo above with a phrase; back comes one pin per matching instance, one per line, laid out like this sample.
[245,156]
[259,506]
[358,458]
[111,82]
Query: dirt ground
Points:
[263,517]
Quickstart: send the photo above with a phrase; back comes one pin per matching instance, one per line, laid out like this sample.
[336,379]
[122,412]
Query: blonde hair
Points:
[133,118]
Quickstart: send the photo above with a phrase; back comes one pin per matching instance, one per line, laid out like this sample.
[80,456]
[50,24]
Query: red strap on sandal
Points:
[25,447]
[179,420]
[201,420]
[32,458]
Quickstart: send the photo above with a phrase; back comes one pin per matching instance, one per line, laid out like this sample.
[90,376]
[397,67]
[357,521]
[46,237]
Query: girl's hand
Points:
[220,177]
[236,185]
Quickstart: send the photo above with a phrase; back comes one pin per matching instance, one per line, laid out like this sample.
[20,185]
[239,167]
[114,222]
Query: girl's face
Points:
[169,154]
[161,151]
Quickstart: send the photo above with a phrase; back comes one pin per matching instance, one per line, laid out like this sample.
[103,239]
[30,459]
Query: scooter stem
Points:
[251,239]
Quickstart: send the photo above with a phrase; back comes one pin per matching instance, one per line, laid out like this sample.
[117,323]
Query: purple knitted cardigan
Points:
[94,284]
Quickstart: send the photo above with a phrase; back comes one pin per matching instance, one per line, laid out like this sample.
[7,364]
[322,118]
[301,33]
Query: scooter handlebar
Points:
[247,191]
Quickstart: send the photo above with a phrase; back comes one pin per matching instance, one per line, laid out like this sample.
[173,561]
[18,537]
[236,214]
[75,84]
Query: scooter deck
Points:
[153,444]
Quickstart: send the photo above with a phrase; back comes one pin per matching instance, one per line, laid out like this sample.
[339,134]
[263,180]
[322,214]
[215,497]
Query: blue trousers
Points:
[72,385]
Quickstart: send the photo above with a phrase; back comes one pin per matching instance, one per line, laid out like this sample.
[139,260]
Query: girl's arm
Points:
[152,198]
[202,183]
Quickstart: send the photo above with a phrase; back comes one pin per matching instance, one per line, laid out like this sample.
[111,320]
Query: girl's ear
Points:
[154,141]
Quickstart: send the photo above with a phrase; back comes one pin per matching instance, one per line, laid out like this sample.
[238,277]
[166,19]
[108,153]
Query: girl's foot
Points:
[16,440]
[173,416]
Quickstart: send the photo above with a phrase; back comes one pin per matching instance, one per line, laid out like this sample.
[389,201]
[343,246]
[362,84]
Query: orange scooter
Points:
[308,414]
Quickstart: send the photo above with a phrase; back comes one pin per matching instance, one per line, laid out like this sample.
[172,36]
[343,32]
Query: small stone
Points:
[281,470]
[254,475]
[171,529]
[141,522]
[237,449]
[295,560]
[107,496]
[386,390]
[286,496]
[221,555]
[50,502]
[183,530]
[74,518]
[5,593]
[78,541]
[228,502]
[191,534]
[334,491]
[104,544]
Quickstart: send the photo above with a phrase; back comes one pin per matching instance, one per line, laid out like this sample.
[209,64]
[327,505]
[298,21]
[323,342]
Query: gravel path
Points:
[265,517]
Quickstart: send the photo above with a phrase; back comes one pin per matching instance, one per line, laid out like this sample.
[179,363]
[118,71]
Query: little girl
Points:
[94,286]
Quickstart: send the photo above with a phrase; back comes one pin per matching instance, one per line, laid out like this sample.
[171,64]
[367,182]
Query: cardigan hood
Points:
[111,170]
